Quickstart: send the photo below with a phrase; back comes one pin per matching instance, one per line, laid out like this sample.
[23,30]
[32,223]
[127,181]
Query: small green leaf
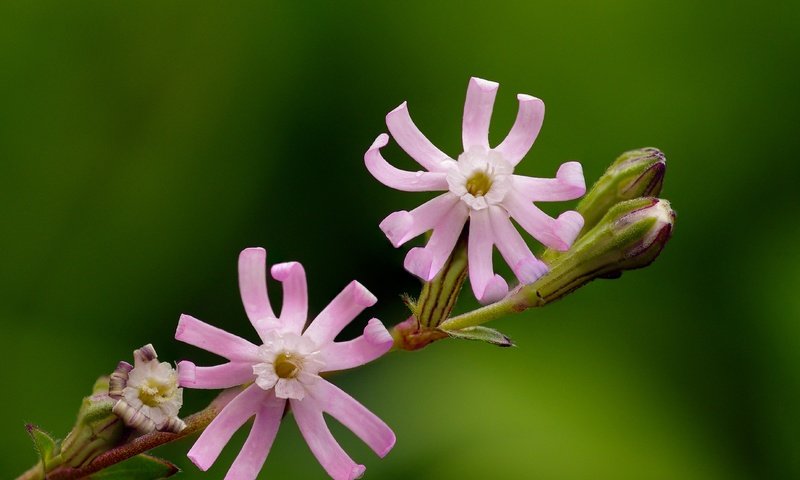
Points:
[483,334]
[46,446]
[140,467]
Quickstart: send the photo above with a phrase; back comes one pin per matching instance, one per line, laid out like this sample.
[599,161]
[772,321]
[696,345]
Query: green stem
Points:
[513,303]
[194,423]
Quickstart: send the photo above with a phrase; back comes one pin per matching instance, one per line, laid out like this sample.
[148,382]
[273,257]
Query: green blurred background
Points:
[143,146]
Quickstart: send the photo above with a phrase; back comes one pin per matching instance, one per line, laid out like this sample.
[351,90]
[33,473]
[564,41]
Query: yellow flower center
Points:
[154,393]
[479,184]
[286,365]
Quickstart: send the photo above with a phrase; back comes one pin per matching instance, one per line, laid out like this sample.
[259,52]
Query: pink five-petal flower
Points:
[286,367]
[480,186]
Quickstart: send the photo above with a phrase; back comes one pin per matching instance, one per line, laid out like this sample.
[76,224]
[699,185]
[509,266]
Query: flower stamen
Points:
[154,393]
[286,365]
[479,183]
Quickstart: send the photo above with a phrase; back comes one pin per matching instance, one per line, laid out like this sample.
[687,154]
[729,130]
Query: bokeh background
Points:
[143,146]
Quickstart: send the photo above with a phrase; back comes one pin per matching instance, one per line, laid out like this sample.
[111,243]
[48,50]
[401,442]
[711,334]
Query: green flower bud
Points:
[97,430]
[634,174]
[631,235]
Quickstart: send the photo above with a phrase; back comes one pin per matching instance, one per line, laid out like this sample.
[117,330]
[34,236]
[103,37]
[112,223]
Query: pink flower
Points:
[286,367]
[479,185]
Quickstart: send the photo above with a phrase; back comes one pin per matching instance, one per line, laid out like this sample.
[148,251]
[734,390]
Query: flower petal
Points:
[419,261]
[215,340]
[341,311]
[400,179]
[402,226]
[290,388]
[558,233]
[256,448]
[428,261]
[375,341]
[365,424]
[322,444]
[568,185]
[253,288]
[525,130]
[211,442]
[226,375]
[266,378]
[495,290]
[410,139]
[294,311]
[514,249]
[478,113]
[486,285]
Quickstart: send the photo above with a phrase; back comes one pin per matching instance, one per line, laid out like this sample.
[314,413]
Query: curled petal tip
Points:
[357,472]
[253,251]
[124,366]
[118,380]
[571,173]
[419,261]
[569,226]
[281,271]
[410,139]
[199,461]
[186,373]
[484,84]
[400,108]
[525,129]
[181,328]
[530,269]
[360,295]
[396,226]
[145,354]
[376,333]
[379,142]
[384,172]
[523,97]
[389,446]
[496,289]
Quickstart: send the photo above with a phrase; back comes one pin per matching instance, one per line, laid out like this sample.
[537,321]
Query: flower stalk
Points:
[194,423]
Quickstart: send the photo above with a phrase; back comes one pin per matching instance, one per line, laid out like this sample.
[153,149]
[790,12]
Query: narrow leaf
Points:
[483,334]
[140,467]
[46,446]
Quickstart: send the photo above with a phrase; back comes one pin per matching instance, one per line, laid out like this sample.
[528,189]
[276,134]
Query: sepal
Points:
[46,447]
[97,429]
[439,295]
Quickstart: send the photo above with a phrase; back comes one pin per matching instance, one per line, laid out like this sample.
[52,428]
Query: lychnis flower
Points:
[286,367]
[146,393]
[480,185]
